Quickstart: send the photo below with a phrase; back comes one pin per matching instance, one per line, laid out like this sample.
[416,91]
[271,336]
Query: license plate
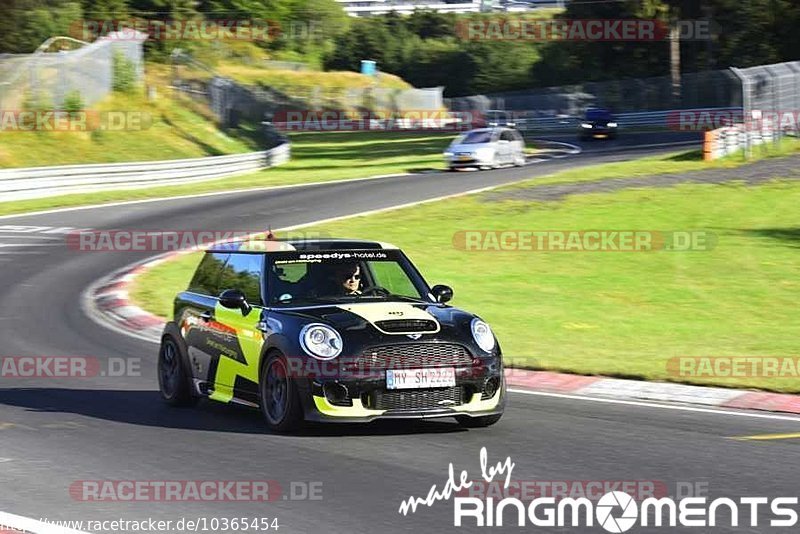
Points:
[464,158]
[420,378]
[601,136]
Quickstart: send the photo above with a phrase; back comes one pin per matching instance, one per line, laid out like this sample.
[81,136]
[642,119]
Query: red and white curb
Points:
[620,389]
[107,301]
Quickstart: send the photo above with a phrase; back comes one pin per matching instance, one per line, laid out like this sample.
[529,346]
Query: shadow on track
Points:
[146,408]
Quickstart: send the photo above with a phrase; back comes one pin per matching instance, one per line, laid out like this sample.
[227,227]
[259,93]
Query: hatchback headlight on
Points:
[585,125]
[482,334]
[612,124]
[321,341]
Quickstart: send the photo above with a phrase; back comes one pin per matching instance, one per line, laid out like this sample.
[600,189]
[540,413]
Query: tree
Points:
[28,23]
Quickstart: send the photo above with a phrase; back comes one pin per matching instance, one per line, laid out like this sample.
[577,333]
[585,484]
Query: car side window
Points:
[206,278]
[390,275]
[243,272]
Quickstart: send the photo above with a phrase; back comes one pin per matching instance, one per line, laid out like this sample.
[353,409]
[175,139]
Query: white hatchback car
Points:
[486,148]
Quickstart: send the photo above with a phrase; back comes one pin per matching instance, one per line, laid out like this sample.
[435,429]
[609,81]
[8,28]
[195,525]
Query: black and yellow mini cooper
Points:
[327,330]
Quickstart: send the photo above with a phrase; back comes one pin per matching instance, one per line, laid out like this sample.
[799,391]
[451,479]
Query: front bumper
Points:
[472,399]
[324,411]
[473,160]
[600,132]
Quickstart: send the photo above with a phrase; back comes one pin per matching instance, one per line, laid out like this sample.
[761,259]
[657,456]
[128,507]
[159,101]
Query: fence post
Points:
[746,111]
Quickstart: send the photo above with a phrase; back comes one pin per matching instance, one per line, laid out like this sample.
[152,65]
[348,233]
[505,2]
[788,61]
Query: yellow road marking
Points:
[767,437]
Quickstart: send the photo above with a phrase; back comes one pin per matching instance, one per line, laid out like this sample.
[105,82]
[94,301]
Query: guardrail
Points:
[40,182]
[667,119]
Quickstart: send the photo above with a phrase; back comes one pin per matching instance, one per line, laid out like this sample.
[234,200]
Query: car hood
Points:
[359,315]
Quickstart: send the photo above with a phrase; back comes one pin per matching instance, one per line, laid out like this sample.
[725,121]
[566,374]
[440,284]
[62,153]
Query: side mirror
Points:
[234,299]
[442,293]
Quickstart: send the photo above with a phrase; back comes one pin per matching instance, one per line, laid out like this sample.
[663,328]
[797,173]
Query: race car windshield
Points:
[475,138]
[598,115]
[301,278]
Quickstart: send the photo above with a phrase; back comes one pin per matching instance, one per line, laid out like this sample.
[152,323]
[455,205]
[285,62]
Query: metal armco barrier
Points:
[656,120]
[39,182]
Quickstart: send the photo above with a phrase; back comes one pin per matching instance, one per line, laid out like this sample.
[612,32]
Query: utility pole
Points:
[675,59]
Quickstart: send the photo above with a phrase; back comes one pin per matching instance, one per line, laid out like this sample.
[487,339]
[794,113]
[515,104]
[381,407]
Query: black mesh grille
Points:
[417,399]
[407,325]
[414,355]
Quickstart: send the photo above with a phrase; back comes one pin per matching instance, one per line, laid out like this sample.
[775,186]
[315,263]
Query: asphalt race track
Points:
[57,432]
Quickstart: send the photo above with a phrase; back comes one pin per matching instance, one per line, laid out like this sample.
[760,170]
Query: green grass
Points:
[616,314]
[175,129]
[150,287]
[291,82]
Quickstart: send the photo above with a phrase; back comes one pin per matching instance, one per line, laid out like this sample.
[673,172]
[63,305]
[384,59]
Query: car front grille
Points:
[415,355]
[402,326]
[418,399]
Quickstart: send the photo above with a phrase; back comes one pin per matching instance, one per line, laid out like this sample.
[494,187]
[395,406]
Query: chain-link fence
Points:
[233,102]
[45,79]
[770,102]
[709,89]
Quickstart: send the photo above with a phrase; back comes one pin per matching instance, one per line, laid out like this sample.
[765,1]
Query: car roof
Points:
[261,244]
[492,129]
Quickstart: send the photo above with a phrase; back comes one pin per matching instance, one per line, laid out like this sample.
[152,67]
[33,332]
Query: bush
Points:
[73,103]
[124,74]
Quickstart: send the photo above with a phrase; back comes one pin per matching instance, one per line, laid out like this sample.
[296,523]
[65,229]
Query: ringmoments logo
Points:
[615,511]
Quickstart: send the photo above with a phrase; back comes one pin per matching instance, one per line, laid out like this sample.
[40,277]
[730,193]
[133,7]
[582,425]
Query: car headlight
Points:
[320,341]
[482,334]
[585,125]
[612,124]
[448,154]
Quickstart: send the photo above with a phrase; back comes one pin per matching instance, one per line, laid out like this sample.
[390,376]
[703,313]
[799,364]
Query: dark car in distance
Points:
[598,123]
[327,330]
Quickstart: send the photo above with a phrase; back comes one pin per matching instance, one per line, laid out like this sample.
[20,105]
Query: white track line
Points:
[645,404]
[27,524]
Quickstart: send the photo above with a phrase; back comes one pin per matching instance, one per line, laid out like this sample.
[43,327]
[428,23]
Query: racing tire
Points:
[478,422]
[174,380]
[280,400]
